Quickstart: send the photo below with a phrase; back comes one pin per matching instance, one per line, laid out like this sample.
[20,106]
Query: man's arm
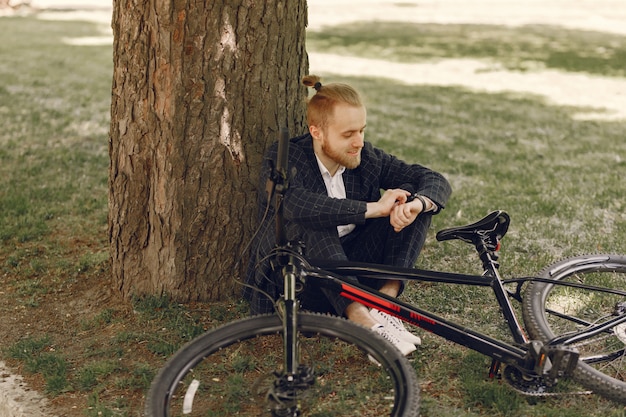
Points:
[415,178]
[385,205]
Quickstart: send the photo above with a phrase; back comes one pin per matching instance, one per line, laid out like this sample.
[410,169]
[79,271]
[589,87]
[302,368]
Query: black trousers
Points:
[373,242]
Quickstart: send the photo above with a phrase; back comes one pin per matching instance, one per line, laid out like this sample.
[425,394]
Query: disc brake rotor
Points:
[620,332]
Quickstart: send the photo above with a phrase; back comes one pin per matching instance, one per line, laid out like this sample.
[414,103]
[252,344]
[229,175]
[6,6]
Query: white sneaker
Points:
[395,325]
[402,345]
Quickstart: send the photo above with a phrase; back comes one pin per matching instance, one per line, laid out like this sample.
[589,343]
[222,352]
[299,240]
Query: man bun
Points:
[313,81]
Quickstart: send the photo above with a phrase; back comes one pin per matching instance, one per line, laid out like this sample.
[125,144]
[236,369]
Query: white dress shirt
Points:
[336,189]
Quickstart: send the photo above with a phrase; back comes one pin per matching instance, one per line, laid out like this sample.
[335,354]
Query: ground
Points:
[57,313]
[88,307]
[108,347]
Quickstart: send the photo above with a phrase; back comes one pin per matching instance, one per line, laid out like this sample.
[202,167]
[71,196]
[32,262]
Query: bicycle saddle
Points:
[494,226]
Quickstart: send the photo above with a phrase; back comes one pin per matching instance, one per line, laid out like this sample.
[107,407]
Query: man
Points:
[334,205]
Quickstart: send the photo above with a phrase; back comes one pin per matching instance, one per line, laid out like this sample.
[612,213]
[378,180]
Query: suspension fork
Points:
[290,321]
[279,183]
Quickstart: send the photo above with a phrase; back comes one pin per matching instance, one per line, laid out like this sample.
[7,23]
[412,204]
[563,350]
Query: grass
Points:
[524,49]
[38,356]
[560,179]
[50,101]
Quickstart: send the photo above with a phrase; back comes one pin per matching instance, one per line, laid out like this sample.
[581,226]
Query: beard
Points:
[342,158]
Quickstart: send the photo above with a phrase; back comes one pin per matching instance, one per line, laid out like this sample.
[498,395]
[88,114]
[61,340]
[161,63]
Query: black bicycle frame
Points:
[331,274]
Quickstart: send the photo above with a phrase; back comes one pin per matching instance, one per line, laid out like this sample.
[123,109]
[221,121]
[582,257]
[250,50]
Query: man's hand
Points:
[387,203]
[403,215]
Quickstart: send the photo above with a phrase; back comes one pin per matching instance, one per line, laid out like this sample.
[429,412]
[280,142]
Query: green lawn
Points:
[562,181]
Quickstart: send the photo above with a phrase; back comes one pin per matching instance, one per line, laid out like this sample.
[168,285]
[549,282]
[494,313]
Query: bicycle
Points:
[291,363]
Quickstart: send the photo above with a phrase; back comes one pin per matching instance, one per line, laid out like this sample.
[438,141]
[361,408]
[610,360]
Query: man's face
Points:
[342,140]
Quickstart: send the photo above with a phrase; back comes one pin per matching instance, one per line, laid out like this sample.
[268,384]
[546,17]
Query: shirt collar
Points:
[325,171]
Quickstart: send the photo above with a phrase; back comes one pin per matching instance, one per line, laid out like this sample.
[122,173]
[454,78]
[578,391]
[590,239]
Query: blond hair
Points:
[321,105]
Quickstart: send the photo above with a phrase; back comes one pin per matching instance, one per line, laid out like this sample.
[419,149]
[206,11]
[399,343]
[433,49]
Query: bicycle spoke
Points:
[240,379]
[572,310]
[238,370]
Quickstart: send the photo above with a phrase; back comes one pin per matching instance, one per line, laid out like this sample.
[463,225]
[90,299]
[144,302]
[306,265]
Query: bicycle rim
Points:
[233,370]
[553,310]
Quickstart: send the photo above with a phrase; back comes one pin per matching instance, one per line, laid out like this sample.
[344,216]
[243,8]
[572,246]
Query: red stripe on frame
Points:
[372,301]
[369,299]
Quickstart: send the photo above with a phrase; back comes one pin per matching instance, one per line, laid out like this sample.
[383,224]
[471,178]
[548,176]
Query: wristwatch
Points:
[435,208]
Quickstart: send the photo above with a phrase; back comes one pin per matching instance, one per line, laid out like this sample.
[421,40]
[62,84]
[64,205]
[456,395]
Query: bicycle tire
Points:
[543,301]
[222,355]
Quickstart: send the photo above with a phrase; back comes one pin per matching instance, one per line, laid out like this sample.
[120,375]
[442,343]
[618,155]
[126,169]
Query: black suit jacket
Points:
[307,204]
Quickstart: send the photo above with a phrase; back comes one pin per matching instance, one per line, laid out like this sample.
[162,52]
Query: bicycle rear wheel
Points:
[235,370]
[552,310]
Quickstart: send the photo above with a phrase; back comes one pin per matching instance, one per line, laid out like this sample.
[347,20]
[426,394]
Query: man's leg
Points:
[324,244]
[327,245]
[377,242]
[374,242]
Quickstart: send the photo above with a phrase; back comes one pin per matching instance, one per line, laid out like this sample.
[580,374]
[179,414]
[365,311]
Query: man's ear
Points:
[315,132]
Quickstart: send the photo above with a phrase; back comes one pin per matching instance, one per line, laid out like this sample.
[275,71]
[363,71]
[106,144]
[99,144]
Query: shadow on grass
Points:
[520,48]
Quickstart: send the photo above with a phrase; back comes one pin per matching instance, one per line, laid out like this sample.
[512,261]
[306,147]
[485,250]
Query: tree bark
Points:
[200,89]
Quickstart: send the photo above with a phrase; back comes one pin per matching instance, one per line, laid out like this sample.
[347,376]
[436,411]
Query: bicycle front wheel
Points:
[551,310]
[236,369]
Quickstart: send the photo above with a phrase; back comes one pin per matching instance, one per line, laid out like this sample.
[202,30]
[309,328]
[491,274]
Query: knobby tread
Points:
[533,309]
[332,326]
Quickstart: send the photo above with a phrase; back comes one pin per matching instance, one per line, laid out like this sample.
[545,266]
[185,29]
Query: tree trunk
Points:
[200,89]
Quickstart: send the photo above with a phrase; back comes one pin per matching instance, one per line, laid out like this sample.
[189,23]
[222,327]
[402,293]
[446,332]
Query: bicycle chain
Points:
[532,386]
